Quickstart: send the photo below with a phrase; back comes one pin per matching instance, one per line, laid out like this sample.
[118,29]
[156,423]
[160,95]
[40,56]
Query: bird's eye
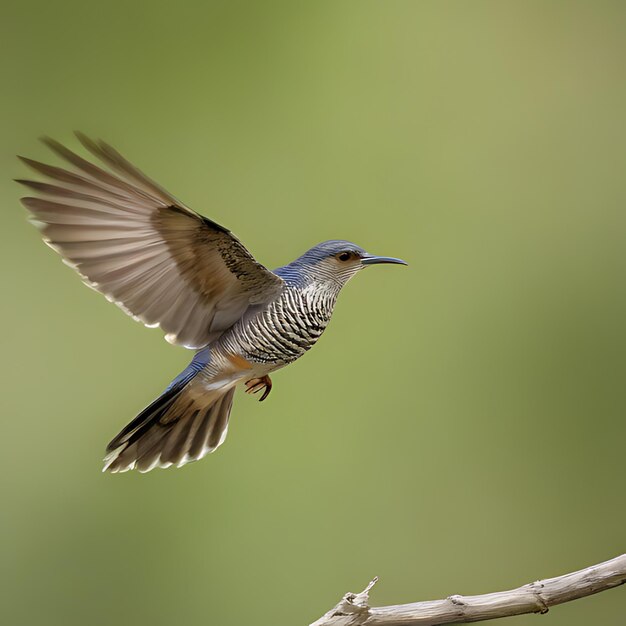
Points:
[344,256]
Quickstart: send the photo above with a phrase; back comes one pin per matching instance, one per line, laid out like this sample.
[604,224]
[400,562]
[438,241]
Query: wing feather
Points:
[133,241]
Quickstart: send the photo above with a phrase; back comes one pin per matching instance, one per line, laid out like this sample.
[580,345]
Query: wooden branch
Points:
[537,597]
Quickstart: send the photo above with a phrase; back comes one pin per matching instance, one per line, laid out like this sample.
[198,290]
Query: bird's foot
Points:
[255,385]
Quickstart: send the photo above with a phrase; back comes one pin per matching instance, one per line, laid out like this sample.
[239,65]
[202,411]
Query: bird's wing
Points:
[155,258]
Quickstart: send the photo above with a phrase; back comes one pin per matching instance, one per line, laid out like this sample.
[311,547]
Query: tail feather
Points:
[203,435]
[182,425]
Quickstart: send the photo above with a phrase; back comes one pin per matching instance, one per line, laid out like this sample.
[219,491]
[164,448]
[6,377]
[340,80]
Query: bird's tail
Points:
[182,425]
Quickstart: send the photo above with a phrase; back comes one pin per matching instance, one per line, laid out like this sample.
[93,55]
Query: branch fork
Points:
[537,597]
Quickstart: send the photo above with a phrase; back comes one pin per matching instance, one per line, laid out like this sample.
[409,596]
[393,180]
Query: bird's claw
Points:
[254,385]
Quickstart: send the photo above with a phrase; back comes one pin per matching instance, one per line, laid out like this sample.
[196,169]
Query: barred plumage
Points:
[283,330]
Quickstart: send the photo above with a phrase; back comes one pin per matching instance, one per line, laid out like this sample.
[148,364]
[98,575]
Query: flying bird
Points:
[168,266]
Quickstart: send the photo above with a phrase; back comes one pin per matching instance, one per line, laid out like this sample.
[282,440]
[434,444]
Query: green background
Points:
[459,429]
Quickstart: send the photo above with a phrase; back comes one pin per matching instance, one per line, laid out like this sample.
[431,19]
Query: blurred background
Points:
[459,428]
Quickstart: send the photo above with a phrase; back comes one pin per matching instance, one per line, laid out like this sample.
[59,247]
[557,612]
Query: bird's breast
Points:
[284,329]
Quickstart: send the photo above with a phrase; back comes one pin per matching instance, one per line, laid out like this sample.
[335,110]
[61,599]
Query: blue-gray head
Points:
[334,261]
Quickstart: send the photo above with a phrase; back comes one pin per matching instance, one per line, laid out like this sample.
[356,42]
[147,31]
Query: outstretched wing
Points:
[155,258]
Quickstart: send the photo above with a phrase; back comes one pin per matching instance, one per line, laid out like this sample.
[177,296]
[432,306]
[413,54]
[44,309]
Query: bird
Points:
[170,267]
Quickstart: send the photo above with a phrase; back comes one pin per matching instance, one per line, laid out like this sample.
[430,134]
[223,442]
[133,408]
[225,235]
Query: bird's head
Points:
[337,261]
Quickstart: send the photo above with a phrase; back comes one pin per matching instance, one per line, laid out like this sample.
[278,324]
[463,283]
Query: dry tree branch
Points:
[537,597]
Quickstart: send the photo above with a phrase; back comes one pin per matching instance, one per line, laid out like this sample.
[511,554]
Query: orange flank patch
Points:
[239,362]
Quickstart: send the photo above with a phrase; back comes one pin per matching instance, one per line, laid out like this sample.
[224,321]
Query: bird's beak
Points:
[373,260]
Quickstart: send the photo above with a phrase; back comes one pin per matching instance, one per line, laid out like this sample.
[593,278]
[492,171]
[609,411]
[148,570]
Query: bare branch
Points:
[537,597]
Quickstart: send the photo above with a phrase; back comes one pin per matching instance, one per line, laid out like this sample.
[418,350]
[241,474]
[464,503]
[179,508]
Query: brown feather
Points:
[185,430]
[155,258]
